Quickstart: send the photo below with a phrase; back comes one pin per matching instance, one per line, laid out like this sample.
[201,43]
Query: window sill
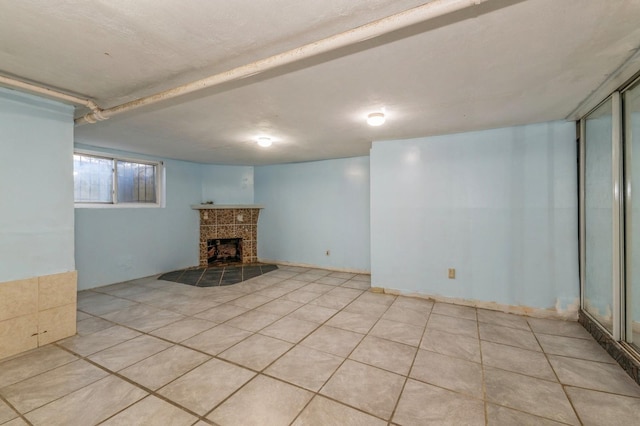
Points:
[117,206]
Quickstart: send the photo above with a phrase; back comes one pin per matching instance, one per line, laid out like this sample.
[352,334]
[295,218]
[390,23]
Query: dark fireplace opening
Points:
[224,250]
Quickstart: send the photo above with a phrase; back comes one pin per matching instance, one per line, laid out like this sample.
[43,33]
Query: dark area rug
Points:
[217,275]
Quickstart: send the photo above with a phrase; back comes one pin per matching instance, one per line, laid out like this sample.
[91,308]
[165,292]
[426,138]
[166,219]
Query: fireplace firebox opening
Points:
[224,250]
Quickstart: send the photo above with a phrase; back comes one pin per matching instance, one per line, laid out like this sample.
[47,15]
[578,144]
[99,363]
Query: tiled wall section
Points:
[36,311]
[230,223]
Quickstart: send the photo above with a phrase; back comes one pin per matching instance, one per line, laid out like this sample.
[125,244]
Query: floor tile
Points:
[95,342]
[6,413]
[322,412]
[131,313]
[335,281]
[302,296]
[163,367]
[251,301]
[44,388]
[503,416]
[385,354]
[347,293]
[256,352]
[154,321]
[535,396]
[451,344]
[105,397]
[368,388]
[16,422]
[503,319]
[368,308]
[461,326]
[32,363]
[151,411]
[253,320]
[128,353]
[559,328]
[222,313]
[414,303]
[206,386]
[360,323]
[398,332]
[305,367]
[458,311]
[575,348]
[333,340]
[406,316]
[91,325]
[377,298]
[183,329]
[594,375]
[447,372]
[422,404]
[279,307]
[508,336]
[600,409]
[313,313]
[262,402]
[517,360]
[318,288]
[357,284]
[103,304]
[217,339]
[289,329]
[330,301]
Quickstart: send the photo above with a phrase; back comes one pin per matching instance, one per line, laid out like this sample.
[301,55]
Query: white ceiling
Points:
[504,63]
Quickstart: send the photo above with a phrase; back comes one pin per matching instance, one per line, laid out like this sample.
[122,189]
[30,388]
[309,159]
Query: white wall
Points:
[500,206]
[314,207]
[36,186]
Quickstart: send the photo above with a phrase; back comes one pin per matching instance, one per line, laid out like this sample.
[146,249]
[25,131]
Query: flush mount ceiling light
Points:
[376,119]
[264,141]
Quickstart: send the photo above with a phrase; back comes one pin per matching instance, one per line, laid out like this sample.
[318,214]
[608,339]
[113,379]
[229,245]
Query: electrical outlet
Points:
[452,273]
[328,253]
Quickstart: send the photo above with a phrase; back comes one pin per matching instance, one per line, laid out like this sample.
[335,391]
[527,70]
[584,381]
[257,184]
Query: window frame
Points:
[159,182]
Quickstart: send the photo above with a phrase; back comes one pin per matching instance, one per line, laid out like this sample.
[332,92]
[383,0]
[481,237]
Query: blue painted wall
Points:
[36,186]
[120,244]
[314,207]
[500,206]
[227,184]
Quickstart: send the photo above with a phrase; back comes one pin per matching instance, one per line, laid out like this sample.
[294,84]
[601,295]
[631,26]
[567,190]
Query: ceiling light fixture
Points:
[264,141]
[376,119]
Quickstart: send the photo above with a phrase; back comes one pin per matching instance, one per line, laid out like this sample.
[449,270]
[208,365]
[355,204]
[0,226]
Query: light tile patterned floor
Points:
[309,347]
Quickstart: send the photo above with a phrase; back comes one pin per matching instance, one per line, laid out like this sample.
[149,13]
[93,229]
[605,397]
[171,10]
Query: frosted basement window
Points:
[105,181]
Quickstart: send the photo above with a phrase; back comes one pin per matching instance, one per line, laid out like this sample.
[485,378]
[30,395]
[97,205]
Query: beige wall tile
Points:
[56,323]
[18,335]
[18,298]
[57,290]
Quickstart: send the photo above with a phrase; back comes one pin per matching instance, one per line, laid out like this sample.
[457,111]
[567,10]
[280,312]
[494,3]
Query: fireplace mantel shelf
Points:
[225,206]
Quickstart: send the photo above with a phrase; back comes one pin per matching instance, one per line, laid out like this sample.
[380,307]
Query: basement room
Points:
[342,212]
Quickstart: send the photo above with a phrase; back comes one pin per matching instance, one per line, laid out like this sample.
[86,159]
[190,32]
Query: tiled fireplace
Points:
[222,223]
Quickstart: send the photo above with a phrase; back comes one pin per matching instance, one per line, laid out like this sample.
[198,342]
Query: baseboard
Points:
[306,265]
[569,314]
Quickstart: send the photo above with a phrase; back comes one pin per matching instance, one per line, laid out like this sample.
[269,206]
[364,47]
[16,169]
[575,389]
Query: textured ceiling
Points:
[504,63]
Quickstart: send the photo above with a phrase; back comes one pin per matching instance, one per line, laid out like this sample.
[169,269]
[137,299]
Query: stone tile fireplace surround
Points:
[229,221]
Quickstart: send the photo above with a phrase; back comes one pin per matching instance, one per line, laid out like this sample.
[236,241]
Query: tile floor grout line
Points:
[485,401]
[408,375]
[19,413]
[149,391]
[317,393]
[546,356]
